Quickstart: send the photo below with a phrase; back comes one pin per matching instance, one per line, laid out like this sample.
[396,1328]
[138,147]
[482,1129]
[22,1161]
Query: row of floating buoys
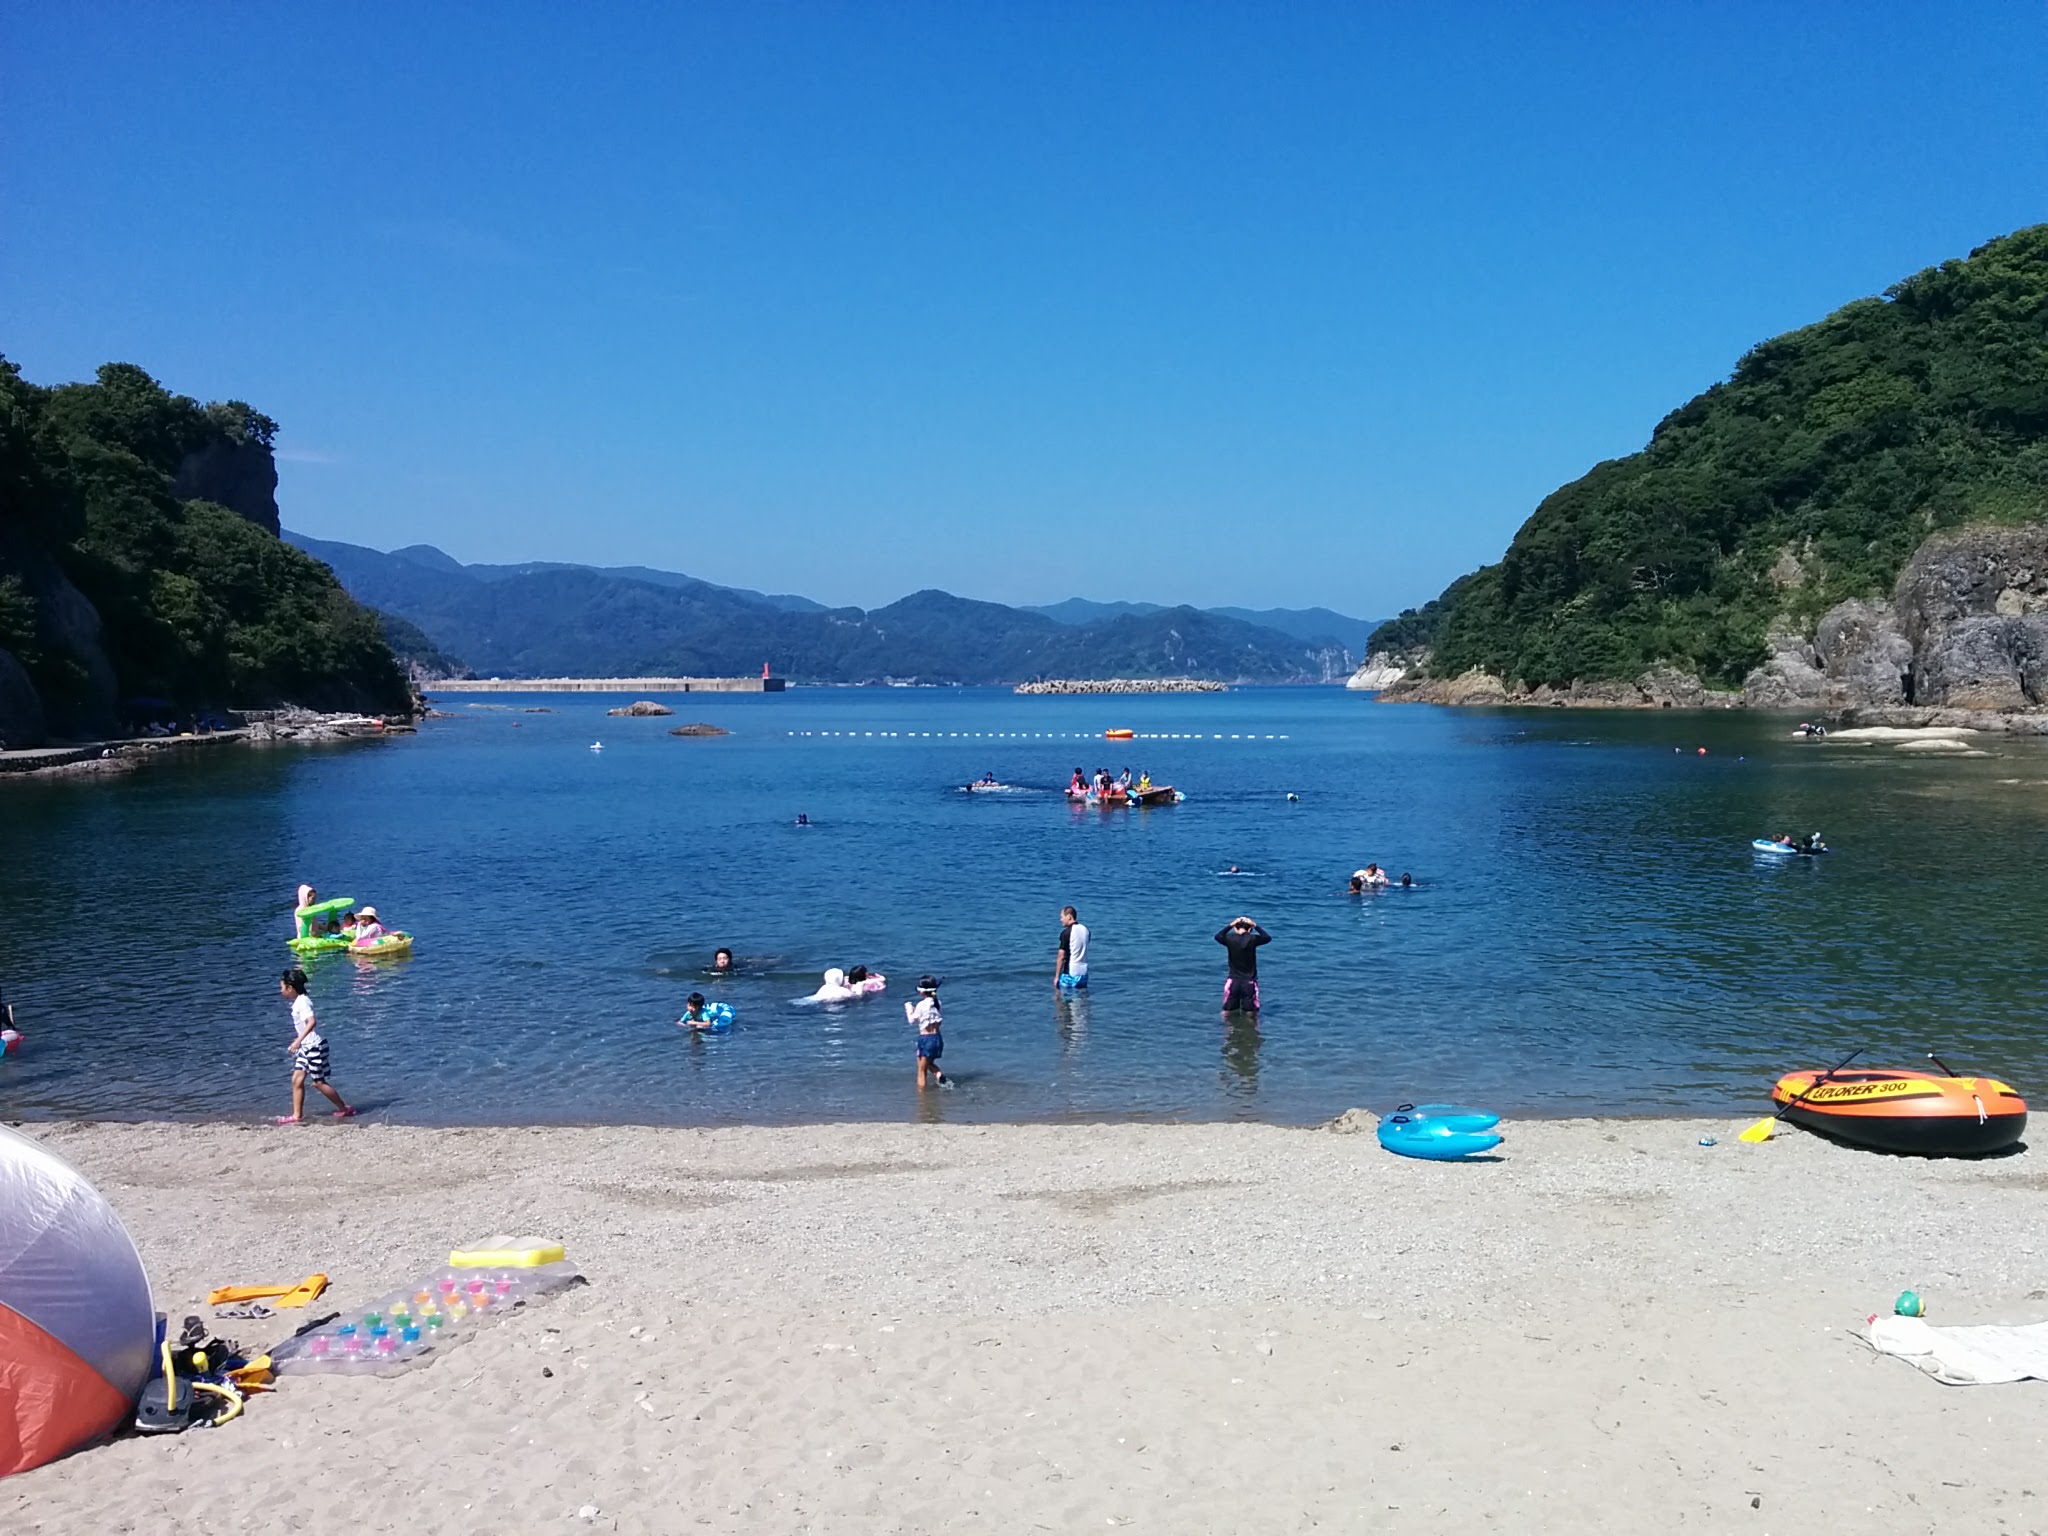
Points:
[1053,735]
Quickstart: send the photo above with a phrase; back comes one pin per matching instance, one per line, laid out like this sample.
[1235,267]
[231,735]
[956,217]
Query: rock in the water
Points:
[699,728]
[643,707]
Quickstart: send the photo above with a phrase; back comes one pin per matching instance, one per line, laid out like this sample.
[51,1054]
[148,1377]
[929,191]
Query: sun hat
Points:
[369,912]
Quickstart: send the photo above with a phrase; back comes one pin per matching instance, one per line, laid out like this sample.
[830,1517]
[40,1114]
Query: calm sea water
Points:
[1591,933]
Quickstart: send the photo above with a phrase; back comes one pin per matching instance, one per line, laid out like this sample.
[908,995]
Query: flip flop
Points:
[344,1114]
[289,1120]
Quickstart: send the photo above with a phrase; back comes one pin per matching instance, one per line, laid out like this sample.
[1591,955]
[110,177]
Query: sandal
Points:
[289,1120]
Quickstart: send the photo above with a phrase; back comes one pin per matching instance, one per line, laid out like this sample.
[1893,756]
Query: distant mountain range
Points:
[545,619]
[1318,624]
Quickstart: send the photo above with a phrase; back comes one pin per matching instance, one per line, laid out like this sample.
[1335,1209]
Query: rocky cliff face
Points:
[21,711]
[239,476]
[1966,629]
[1382,669]
[67,626]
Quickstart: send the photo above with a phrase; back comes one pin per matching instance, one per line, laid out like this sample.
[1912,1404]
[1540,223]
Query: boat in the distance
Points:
[1900,1109]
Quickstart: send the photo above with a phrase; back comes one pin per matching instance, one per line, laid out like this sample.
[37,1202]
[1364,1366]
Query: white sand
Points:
[1082,1328]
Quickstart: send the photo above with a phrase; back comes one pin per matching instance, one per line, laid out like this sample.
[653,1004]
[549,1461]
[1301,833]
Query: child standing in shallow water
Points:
[309,1051]
[924,1013]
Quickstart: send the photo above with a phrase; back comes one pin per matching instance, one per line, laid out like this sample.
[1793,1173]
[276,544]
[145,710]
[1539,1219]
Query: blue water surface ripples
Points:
[1591,933]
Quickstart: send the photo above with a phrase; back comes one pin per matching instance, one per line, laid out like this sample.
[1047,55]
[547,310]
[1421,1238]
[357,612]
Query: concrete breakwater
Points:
[608,685]
[1123,685]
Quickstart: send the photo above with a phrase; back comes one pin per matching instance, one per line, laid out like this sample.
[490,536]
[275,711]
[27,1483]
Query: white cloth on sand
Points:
[1965,1357]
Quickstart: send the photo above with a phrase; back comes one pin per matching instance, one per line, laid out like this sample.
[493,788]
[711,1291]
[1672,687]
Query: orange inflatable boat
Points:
[1900,1110]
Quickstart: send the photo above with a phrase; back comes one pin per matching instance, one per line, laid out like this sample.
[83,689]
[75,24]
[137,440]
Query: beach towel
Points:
[1965,1357]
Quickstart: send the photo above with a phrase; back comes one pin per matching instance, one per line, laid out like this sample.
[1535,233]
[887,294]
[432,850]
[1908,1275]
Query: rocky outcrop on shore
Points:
[1658,688]
[1123,685]
[1382,670]
[642,707]
[1963,641]
[267,726]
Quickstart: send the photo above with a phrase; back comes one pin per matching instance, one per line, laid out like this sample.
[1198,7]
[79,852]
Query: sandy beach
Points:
[873,1328]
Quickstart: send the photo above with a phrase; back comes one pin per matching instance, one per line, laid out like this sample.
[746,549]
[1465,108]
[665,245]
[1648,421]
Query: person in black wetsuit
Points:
[1242,938]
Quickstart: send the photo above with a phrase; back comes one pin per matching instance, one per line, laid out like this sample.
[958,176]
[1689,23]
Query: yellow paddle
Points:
[1761,1131]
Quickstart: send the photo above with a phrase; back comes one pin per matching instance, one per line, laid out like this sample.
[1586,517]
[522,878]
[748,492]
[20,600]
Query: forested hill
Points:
[141,573]
[1808,477]
[577,621]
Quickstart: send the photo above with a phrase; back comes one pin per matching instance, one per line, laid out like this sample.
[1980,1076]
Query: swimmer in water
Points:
[695,1014]
[1358,884]
[722,960]
[803,819]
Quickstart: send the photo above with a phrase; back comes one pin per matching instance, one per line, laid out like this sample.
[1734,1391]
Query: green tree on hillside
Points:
[1809,476]
[197,605]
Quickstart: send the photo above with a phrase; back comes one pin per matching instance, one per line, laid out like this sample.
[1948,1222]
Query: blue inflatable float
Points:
[717,1016]
[1441,1133]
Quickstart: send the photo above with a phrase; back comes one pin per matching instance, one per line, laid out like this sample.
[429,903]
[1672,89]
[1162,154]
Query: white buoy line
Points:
[1050,735]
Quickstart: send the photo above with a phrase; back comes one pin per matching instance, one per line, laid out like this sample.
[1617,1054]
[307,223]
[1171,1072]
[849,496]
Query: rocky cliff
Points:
[1966,629]
[241,476]
[1381,670]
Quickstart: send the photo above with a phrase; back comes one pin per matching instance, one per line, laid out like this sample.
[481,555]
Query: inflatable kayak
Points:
[1901,1110]
[1765,845]
[1441,1133]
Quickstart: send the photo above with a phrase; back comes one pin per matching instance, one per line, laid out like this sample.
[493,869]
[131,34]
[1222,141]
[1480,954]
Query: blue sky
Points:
[1259,303]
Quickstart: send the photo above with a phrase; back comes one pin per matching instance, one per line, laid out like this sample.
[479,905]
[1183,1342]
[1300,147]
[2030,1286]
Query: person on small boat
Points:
[1374,877]
[1787,840]
[367,926]
[1123,781]
[1144,782]
[1079,784]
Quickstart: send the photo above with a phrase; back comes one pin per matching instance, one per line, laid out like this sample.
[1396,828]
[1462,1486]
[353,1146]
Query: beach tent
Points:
[77,1328]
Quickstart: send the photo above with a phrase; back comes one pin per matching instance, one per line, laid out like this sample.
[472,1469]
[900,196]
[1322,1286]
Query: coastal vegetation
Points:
[141,572]
[1808,477]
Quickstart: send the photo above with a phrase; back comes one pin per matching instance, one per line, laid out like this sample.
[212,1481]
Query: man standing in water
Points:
[1242,938]
[1070,970]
